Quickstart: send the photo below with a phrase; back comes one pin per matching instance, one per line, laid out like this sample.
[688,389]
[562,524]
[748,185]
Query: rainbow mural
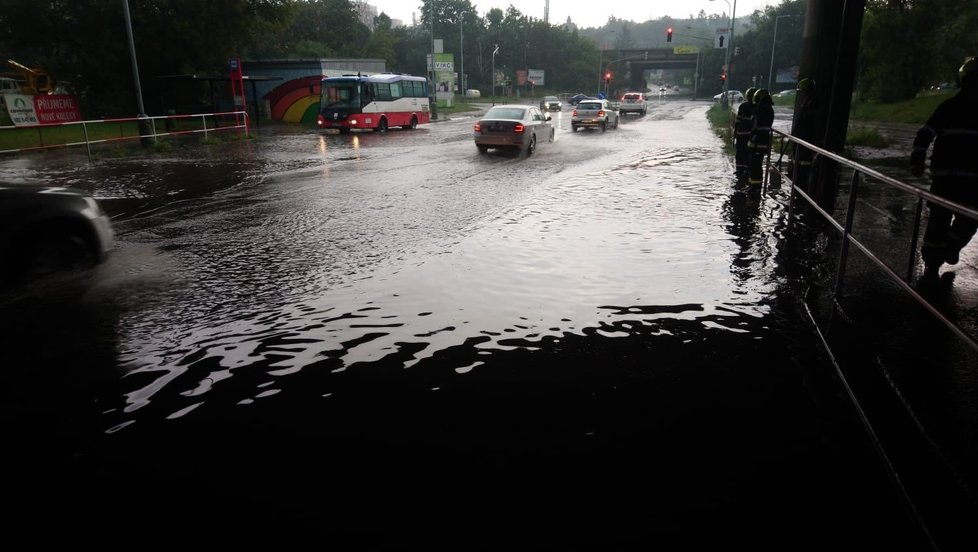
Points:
[297,100]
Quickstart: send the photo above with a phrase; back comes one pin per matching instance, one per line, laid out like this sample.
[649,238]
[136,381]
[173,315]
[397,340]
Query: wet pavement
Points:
[390,339]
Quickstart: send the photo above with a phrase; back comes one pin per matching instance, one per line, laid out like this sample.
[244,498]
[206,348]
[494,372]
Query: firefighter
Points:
[954,170]
[760,137]
[805,129]
[742,128]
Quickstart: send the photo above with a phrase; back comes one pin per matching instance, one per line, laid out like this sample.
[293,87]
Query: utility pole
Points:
[144,122]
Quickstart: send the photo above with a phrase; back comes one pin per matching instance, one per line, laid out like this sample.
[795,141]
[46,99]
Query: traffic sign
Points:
[722,38]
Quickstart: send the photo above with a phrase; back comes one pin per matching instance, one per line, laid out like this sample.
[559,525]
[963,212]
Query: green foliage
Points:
[915,111]
[867,136]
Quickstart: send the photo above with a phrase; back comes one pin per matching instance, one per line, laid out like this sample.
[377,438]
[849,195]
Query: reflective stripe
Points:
[929,129]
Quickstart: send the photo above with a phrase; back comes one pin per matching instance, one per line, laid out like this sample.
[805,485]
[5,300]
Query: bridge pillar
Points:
[829,53]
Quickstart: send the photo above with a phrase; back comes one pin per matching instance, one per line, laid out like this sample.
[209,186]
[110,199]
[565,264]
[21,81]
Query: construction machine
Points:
[35,80]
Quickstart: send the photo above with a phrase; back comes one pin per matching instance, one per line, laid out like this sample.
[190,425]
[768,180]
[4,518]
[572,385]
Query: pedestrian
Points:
[742,129]
[804,128]
[953,127]
[760,137]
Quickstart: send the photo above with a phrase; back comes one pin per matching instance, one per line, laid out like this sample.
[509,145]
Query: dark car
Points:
[517,127]
[46,230]
[577,98]
[550,103]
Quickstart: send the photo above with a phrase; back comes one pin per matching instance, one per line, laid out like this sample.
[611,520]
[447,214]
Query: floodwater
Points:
[392,338]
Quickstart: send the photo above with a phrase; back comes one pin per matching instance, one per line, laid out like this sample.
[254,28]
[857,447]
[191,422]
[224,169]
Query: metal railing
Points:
[845,230]
[860,172]
[146,128]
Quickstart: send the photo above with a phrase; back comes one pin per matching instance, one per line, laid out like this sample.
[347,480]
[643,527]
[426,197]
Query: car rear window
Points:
[505,113]
[588,105]
[633,96]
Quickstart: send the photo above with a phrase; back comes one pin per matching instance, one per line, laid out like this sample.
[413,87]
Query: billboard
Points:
[48,109]
[536,76]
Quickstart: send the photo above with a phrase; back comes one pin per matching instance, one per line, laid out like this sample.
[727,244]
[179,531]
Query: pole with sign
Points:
[238,91]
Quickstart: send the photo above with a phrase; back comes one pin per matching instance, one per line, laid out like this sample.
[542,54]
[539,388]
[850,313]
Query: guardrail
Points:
[129,128]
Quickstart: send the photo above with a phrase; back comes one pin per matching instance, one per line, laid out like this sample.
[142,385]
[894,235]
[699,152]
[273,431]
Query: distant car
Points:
[47,230]
[632,102]
[518,127]
[594,114]
[734,96]
[576,98]
[550,103]
[786,93]
[473,93]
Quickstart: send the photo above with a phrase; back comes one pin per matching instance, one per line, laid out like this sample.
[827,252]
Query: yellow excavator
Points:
[35,80]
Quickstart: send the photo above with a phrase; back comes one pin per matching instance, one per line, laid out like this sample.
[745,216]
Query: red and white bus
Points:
[373,101]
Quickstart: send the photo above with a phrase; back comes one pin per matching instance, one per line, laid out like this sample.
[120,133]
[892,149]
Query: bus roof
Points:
[379,77]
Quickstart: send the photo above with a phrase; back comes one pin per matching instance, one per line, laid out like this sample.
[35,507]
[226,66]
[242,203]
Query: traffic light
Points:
[723,77]
[669,34]
[607,77]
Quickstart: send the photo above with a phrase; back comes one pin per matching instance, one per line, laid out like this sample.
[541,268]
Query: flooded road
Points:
[394,338]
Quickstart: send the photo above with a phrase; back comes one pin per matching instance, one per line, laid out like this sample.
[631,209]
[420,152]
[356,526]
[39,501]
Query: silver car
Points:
[46,230]
[594,114]
[516,127]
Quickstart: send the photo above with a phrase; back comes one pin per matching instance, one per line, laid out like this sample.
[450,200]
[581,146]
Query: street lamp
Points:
[770,72]
[494,52]
[726,62]
[600,64]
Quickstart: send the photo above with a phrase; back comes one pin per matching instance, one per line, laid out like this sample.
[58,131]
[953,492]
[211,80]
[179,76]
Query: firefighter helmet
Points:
[749,95]
[760,94]
[806,85]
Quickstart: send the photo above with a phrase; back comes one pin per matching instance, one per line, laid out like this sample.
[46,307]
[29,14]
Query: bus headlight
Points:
[353,121]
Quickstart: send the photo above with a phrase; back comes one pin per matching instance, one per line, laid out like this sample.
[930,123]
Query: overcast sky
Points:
[588,13]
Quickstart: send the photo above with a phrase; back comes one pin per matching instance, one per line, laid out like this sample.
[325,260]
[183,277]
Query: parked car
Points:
[734,96]
[632,102]
[592,113]
[786,93]
[518,127]
[550,103]
[46,230]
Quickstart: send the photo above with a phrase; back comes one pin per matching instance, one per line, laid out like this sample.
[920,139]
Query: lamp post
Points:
[143,123]
[726,63]
[600,64]
[461,58]
[493,78]
[770,71]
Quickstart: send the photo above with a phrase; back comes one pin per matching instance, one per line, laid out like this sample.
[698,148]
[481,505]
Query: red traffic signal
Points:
[669,34]
[723,76]
[607,76]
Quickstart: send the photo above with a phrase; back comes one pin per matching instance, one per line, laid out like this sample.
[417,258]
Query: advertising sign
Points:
[56,108]
[20,108]
[45,109]
[445,77]
[536,77]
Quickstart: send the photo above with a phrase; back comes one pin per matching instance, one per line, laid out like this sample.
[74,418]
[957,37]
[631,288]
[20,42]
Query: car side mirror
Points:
[549,118]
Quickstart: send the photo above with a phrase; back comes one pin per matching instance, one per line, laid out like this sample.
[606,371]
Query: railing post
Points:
[850,216]
[203,119]
[88,145]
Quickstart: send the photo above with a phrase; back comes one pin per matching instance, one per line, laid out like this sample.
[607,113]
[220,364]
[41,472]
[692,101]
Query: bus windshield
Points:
[341,95]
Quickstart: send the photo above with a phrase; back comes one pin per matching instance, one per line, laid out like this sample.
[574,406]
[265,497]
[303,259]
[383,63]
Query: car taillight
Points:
[477,127]
[518,129]
[574,114]
[601,113]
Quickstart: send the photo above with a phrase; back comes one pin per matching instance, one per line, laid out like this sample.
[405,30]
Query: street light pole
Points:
[726,63]
[770,71]
[143,122]
[461,58]
[494,52]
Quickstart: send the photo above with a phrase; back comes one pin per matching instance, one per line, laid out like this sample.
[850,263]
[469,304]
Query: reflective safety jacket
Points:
[763,118]
[954,129]
[744,123]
